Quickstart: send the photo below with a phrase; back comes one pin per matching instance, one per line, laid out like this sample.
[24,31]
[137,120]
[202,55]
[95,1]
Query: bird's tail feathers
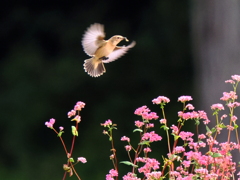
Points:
[94,68]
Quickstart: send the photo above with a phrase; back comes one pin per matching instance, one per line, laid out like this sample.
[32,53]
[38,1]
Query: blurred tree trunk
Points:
[215,29]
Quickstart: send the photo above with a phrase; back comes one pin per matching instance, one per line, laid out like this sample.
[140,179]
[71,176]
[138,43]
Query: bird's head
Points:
[117,39]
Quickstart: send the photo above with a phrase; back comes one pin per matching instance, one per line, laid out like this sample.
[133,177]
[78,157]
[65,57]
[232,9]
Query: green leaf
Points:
[74,131]
[179,120]
[175,136]
[71,160]
[164,127]
[216,155]
[139,130]
[222,125]
[207,128]
[128,163]
[213,130]
[60,133]
[197,122]
[144,143]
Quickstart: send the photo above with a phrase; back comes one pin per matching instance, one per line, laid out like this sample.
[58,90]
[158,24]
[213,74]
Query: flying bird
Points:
[100,50]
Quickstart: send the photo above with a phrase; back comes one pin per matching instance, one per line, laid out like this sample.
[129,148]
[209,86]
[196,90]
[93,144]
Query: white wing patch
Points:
[93,38]
[118,53]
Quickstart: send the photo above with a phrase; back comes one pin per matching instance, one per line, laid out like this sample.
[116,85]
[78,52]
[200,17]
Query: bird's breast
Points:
[105,50]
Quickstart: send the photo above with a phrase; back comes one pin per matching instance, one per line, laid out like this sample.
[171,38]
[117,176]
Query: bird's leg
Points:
[104,58]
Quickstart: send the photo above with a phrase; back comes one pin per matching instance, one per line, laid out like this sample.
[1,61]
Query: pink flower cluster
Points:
[217,106]
[124,138]
[146,113]
[151,136]
[78,107]
[186,161]
[107,123]
[229,96]
[193,115]
[112,173]
[69,167]
[234,78]
[160,100]
[149,165]
[130,176]
[50,123]
[184,99]
[82,159]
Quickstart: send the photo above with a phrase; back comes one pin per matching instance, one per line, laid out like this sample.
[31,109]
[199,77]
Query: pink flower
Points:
[231,128]
[186,163]
[61,128]
[128,148]
[150,163]
[149,125]
[163,121]
[190,107]
[236,77]
[202,115]
[184,98]
[149,116]
[147,150]
[50,123]
[217,106]
[151,136]
[77,118]
[139,124]
[233,105]
[146,113]
[179,149]
[223,116]
[201,136]
[206,121]
[234,118]
[109,177]
[124,138]
[139,111]
[113,172]
[229,96]
[81,159]
[202,171]
[140,159]
[153,175]
[71,113]
[79,105]
[107,123]
[174,129]
[130,176]
[186,135]
[160,99]
[230,81]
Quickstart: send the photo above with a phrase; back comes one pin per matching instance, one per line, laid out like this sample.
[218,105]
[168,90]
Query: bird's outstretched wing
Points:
[93,38]
[118,52]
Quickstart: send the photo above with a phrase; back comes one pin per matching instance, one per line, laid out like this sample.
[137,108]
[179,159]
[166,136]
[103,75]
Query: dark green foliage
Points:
[42,77]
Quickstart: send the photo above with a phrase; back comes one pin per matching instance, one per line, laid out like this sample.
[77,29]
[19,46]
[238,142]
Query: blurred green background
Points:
[42,77]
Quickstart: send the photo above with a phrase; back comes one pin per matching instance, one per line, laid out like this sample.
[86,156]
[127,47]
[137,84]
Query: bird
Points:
[101,51]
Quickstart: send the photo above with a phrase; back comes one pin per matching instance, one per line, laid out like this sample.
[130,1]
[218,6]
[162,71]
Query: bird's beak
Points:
[126,39]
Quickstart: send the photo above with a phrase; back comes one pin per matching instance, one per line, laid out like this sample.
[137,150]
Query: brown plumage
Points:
[100,50]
